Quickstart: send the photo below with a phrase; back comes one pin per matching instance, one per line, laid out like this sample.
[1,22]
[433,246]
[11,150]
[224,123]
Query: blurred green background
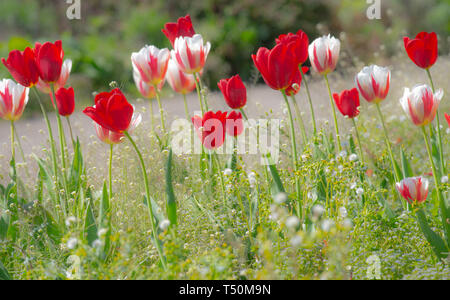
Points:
[100,44]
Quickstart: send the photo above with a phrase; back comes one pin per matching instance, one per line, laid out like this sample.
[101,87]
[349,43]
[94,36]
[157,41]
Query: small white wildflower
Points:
[292,222]
[359,191]
[327,225]
[447,130]
[280,198]
[72,243]
[312,195]
[347,224]
[343,153]
[340,168]
[353,186]
[343,212]
[444,179]
[70,220]
[164,224]
[102,232]
[304,157]
[227,172]
[97,243]
[318,210]
[252,181]
[296,241]
[353,157]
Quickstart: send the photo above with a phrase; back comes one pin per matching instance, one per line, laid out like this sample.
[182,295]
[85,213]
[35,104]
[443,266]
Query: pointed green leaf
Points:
[4,275]
[90,227]
[406,166]
[171,202]
[432,237]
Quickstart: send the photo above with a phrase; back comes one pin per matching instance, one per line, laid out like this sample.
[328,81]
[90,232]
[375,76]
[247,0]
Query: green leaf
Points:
[432,237]
[76,169]
[44,218]
[90,228]
[105,220]
[406,166]
[46,178]
[171,201]
[4,275]
[352,145]
[278,185]
[435,152]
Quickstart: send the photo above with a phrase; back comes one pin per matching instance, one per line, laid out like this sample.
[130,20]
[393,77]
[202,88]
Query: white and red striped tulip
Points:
[420,104]
[111,137]
[147,90]
[151,64]
[190,53]
[413,189]
[180,82]
[61,82]
[13,99]
[324,54]
[373,83]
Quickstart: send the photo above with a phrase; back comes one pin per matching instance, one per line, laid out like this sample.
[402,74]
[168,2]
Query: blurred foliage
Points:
[100,44]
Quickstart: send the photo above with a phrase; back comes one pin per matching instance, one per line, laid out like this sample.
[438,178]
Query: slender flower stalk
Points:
[199,93]
[152,116]
[438,123]
[50,133]
[300,122]
[149,205]
[13,157]
[71,132]
[161,111]
[309,100]
[186,109]
[388,143]
[200,86]
[111,147]
[442,205]
[294,150]
[338,138]
[359,140]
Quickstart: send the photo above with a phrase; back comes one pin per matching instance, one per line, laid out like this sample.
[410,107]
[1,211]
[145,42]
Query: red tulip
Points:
[234,91]
[294,88]
[277,66]
[447,117]
[182,28]
[111,137]
[22,66]
[65,101]
[211,128]
[301,43]
[234,123]
[111,111]
[423,50]
[348,102]
[49,60]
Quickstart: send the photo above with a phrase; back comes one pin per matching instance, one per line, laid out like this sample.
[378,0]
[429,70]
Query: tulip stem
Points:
[161,111]
[152,116]
[388,144]
[442,205]
[438,123]
[149,203]
[110,170]
[309,100]
[201,90]
[338,138]
[71,133]
[197,87]
[243,113]
[13,160]
[19,144]
[300,122]
[50,133]
[359,140]
[186,109]
[294,151]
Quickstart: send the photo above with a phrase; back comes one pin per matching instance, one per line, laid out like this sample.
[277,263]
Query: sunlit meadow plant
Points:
[327,209]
